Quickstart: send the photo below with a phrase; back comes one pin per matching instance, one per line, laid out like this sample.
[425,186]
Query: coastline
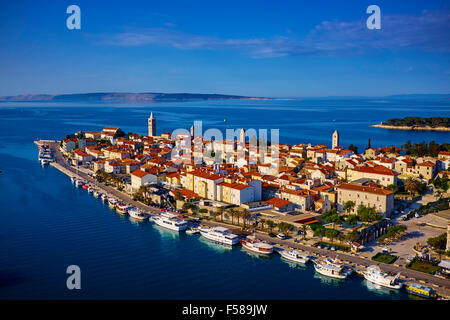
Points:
[359,262]
[385,126]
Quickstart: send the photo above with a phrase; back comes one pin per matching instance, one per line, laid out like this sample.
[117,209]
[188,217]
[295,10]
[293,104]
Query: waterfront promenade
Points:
[441,285]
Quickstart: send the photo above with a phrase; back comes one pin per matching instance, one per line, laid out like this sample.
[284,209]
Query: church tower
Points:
[151,126]
[335,140]
[242,136]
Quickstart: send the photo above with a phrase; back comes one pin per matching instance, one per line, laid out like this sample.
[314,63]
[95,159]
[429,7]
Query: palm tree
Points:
[263,222]
[304,231]
[232,213]
[221,210]
[216,213]
[270,224]
[245,215]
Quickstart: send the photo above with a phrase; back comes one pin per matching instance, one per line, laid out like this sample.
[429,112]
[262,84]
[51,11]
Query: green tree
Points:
[270,224]
[392,187]
[438,242]
[353,236]
[349,206]
[412,185]
[331,234]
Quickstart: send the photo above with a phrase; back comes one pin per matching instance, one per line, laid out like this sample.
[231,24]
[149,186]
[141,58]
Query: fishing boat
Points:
[254,245]
[219,234]
[332,269]
[170,221]
[420,290]
[374,275]
[135,213]
[122,207]
[112,203]
[294,255]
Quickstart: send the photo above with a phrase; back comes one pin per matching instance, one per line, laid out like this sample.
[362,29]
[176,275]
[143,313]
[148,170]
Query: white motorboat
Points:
[78,183]
[332,269]
[96,193]
[170,221]
[192,231]
[252,244]
[73,179]
[374,275]
[294,255]
[219,234]
[104,197]
[135,213]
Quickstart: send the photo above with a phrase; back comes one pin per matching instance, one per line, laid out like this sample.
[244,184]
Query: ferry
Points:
[252,244]
[112,203]
[332,269]
[135,213]
[421,290]
[294,255]
[219,234]
[170,221]
[122,207]
[374,274]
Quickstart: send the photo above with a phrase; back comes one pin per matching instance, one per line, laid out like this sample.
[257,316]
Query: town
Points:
[388,205]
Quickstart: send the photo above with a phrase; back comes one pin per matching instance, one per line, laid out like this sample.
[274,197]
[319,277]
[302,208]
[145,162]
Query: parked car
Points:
[281,236]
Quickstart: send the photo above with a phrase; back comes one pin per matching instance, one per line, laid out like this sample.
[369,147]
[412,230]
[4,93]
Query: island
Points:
[416,123]
[125,97]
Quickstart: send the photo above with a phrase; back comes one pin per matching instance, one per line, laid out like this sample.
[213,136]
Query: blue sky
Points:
[258,48]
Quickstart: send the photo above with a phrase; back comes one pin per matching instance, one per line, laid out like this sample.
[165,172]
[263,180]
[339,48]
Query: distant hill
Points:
[125,97]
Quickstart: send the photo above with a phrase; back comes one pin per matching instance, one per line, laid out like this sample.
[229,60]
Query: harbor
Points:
[357,262]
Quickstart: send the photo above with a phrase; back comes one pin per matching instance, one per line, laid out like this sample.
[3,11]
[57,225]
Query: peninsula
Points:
[416,123]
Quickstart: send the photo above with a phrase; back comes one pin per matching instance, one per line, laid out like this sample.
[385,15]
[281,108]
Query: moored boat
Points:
[90,189]
[254,245]
[85,186]
[170,221]
[374,275]
[332,269]
[78,183]
[294,255]
[104,197]
[96,193]
[122,207]
[192,231]
[219,234]
[112,203]
[135,213]
[420,290]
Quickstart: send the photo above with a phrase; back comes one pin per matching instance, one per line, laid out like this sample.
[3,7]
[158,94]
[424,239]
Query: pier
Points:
[440,284]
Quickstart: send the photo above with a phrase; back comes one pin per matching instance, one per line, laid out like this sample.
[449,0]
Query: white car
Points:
[281,236]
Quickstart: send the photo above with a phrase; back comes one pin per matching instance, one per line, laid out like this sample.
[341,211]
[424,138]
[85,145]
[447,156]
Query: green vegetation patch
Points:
[384,258]
[423,266]
[420,122]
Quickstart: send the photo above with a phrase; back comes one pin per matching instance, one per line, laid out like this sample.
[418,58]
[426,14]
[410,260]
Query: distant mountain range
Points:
[125,97]
[158,96]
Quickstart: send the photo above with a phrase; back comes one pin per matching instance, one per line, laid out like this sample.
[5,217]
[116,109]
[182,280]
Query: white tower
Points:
[242,136]
[335,139]
[151,126]
[192,132]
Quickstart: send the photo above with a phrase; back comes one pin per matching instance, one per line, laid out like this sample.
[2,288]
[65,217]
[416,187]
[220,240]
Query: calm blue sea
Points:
[48,224]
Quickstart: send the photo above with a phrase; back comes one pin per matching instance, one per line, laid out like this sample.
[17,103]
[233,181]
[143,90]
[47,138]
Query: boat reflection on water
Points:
[293,264]
[216,246]
[255,255]
[376,288]
[167,234]
[136,222]
[329,280]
